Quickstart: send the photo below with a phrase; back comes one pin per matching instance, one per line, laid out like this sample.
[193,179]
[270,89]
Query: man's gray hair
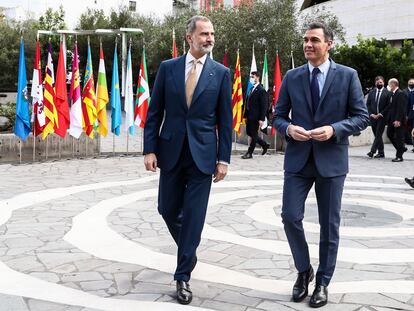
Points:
[394,81]
[192,23]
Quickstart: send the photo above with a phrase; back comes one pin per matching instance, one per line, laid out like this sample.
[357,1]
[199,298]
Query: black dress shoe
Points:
[193,263]
[319,297]
[370,154]
[247,155]
[397,160]
[410,181]
[300,289]
[405,149]
[379,155]
[184,293]
[265,149]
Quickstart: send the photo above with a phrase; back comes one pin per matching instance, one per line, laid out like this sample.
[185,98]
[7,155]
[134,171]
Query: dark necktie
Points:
[377,100]
[315,89]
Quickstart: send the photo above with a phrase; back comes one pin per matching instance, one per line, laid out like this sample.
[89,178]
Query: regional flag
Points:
[129,97]
[49,97]
[89,98]
[276,85]
[115,98]
[143,93]
[102,97]
[265,74]
[22,124]
[237,97]
[38,112]
[174,46]
[61,98]
[75,129]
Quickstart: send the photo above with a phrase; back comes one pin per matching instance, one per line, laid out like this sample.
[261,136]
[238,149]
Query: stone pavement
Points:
[85,235]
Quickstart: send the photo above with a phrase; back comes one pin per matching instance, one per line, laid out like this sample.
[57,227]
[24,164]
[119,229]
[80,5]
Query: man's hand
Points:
[298,133]
[396,123]
[220,173]
[322,133]
[150,162]
[374,116]
[412,133]
[379,115]
[260,123]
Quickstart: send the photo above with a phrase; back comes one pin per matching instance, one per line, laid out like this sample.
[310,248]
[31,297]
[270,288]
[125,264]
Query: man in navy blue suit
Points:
[327,105]
[191,104]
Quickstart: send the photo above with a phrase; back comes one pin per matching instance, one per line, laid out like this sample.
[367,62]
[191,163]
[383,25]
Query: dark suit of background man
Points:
[396,119]
[410,112]
[378,104]
[257,104]
[327,105]
[192,100]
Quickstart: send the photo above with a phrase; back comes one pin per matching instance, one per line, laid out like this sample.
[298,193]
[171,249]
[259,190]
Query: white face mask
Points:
[388,88]
[252,81]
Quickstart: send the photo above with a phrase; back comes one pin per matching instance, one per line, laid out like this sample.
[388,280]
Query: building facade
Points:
[389,19]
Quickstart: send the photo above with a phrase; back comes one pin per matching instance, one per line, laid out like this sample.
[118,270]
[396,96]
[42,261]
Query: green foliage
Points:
[9,111]
[372,57]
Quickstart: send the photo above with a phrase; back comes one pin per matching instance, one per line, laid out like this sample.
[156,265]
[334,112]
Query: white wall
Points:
[391,19]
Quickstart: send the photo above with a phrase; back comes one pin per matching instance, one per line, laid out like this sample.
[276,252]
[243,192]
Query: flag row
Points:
[83,110]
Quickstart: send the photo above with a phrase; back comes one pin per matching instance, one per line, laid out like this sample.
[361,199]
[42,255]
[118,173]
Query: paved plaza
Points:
[85,235]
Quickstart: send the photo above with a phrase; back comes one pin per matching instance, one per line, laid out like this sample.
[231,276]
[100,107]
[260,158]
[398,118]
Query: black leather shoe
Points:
[264,151]
[410,181]
[370,154]
[319,297]
[397,160]
[405,149]
[184,293]
[379,155]
[247,155]
[300,289]
[193,263]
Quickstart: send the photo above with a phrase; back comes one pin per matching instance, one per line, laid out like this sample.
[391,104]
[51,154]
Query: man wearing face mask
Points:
[396,119]
[255,112]
[410,112]
[378,104]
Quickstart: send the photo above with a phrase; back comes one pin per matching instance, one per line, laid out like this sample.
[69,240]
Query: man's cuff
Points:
[223,162]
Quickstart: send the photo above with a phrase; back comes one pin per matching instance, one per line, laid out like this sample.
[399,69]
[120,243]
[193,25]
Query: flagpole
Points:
[47,146]
[127,139]
[34,138]
[113,144]
[86,147]
[20,151]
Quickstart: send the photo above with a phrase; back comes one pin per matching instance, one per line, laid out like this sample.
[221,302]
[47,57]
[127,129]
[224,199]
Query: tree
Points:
[373,57]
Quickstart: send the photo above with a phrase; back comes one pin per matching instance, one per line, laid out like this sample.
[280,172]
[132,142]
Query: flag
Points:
[253,68]
[129,97]
[143,93]
[61,98]
[292,61]
[265,74]
[102,97]
[184,51]
[89,98]
[49,97]
[38,111]
[174,46]
[277,82]
[75,128]
[22,124]
[115,98]
[237,97]
[225,62]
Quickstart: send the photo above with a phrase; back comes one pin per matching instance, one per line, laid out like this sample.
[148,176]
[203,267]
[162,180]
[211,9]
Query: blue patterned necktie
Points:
[315,89]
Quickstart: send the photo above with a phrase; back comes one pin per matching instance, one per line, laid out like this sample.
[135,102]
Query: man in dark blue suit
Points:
[327,105]
[191,104]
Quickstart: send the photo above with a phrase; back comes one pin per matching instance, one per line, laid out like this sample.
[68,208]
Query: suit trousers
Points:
[396,136]
[182,198]
[328,195]
[378,127]
[252,126]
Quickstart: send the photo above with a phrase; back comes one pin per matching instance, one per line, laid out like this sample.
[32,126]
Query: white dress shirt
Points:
[189,64]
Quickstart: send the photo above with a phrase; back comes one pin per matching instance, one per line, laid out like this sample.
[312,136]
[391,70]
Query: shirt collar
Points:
[189,58]
[323,67]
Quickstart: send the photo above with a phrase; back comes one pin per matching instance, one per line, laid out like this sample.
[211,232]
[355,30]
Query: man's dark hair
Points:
[379,78]
[327,31]
[255,73]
